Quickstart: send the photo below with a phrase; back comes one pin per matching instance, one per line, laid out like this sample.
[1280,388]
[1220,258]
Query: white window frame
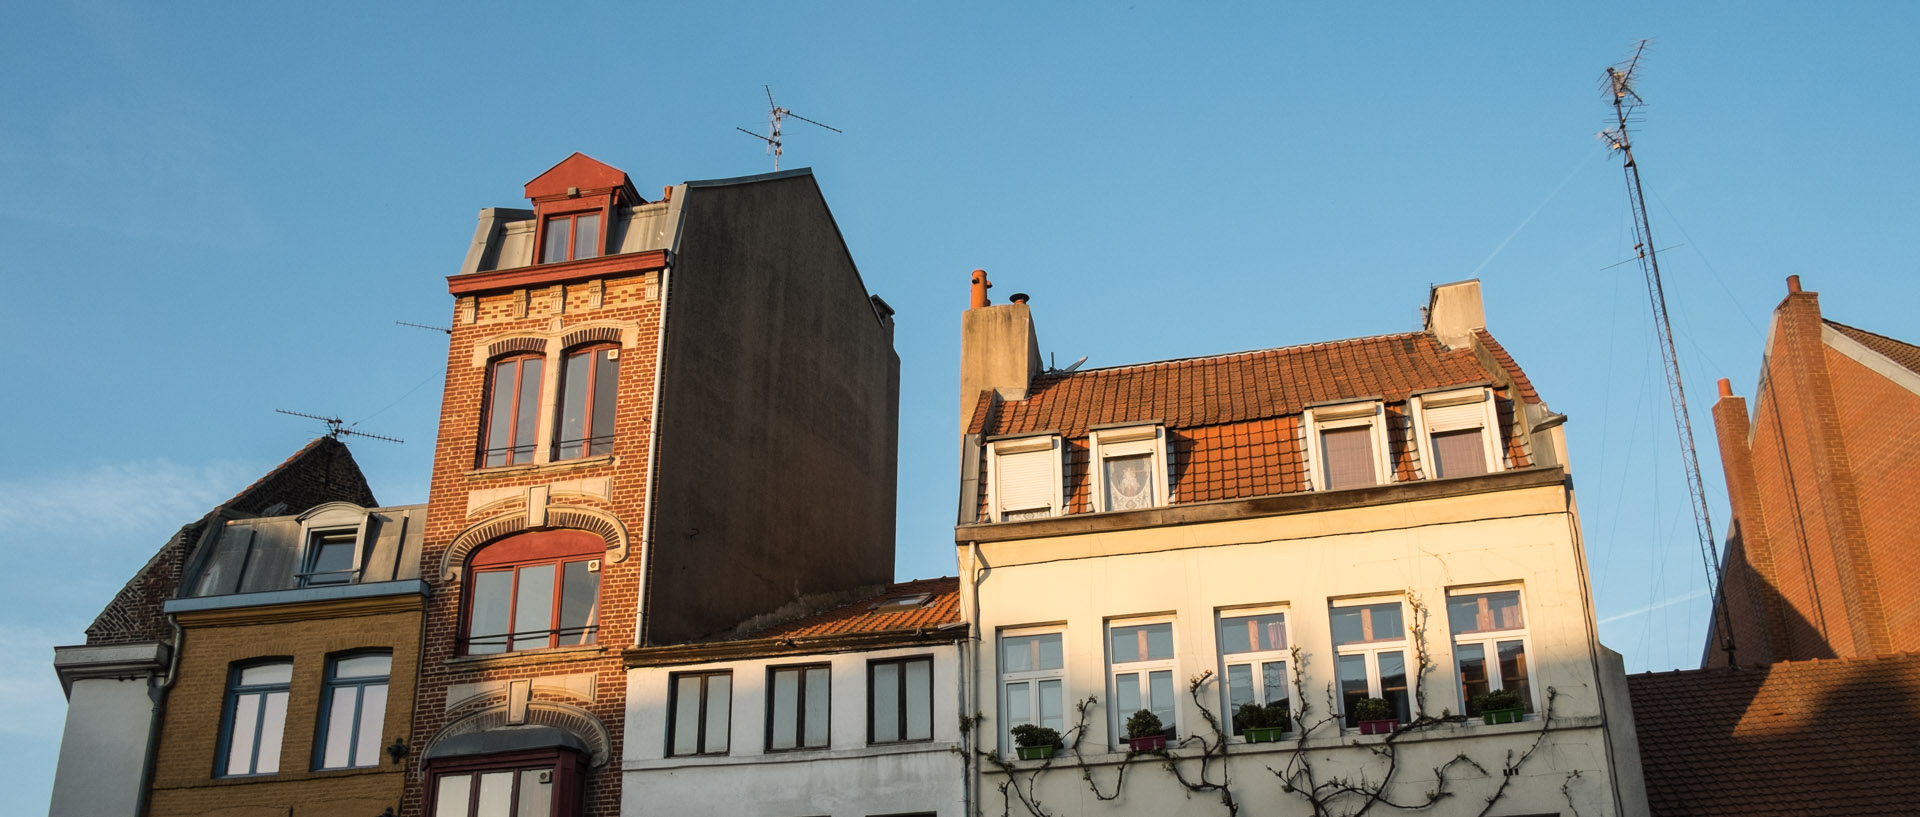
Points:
[1144,669]
[1129,441]
[1255,660]
[1425,426]
[1369,413]
[1024,445]
[1031,678]
[1372,650]
[332,518]
[1489,645]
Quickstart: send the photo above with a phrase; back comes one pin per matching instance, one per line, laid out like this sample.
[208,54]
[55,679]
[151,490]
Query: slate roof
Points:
[875,615]
[1839,737]
[1234,420]
[1901,352]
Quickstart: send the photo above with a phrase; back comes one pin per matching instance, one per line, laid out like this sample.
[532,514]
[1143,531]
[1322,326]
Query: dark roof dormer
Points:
[573,205]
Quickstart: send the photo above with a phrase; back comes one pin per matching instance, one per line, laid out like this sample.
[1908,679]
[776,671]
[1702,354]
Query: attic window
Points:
[1130,468]
[901,602]
[570,237]
[1347,445]
[333,557]
[1023,479]
[1452,432]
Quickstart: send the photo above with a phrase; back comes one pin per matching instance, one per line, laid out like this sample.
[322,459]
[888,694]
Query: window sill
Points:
[524,657]
[541,467]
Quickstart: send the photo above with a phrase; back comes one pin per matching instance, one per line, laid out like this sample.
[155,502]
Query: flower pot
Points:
[1150,743]
[1493,716]
[1035,752]
[1264,734]
[1382,727]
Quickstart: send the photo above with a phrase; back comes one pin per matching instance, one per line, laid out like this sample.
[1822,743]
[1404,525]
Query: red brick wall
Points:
[1880,422]
[627,299]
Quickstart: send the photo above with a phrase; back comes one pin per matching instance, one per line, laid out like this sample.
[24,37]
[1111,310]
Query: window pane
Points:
[1129,482]
[816,703]
[1349,456]
[575,375]
[606,388]
[1049,648]
[1367,623]
[1459,453]
[373,720]
[1259,633]
[1485,612]
[266,675]
[1472,659]
[340,711]
[273,723]
[1126,695]
[246,724]
[454,795]
[719,704]
[529,412]
[496,795]
[492,594]
[1052,713]
[1160,684]
[580,592]
[885,715]
[536,793]
[1352,670]
[1274,681]
[1239,689]
[786,710]
[686,715]
[586,236]
[363,666]
[1019,704]
[557,240]
[500,412]
[533,608]
[1513,671]
[1126,645]
[1145,642]
[1016,653]
[919,695]
[331,559]
[1393,682]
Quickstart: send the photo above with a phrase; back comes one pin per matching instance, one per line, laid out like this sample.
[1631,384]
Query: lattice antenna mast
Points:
[775,115]
[1626,102]
[337,428]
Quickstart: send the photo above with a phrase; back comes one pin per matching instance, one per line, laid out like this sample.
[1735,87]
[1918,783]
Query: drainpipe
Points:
[653,432]
[973,667]
[158,694]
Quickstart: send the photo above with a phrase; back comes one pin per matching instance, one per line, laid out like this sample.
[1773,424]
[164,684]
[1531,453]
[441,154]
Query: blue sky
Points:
[213,212]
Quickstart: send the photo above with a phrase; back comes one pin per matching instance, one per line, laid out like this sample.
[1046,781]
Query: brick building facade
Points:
[1825,501]
[632,388]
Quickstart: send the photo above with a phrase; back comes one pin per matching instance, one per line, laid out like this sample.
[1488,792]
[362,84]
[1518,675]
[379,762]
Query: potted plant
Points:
[1035,742]
[1375,716]
[1498,706]
[1145,733]
[1262,724]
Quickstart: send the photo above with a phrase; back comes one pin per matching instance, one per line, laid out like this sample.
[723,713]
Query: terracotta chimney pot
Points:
[980,287]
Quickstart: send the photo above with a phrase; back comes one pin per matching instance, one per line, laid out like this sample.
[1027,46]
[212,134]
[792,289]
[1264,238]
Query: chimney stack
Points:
[998,349]
[1454,312]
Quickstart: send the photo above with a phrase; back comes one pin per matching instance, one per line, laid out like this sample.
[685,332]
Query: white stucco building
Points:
[853,711]
[1387,517]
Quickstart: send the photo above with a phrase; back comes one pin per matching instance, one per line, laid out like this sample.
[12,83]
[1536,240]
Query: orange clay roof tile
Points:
[874,615]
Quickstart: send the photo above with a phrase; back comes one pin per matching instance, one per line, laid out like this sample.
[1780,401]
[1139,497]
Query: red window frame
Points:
[513,450]
[588,444]
[569,772]
[515,554]
[573,237]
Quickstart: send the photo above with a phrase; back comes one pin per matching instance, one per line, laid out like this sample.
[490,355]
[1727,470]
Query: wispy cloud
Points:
[145,499]
[36,708]
[1654,606]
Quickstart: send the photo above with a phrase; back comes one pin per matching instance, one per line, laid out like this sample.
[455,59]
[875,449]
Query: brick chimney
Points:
[998,348]
[1454,311]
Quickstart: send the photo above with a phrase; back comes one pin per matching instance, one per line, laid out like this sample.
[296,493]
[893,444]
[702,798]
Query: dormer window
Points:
[333,557]
[1452,428]
[1023,478]
[1347,445]
[1130,469]
[570,237]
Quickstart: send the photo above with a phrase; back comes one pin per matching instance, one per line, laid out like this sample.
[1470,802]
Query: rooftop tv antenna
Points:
[425,326]
[776,114]
[1620,84]
[337,428]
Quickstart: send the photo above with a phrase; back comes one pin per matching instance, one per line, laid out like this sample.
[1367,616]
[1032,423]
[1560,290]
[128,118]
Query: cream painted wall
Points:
[1525,536]
[847,779]
[104,749]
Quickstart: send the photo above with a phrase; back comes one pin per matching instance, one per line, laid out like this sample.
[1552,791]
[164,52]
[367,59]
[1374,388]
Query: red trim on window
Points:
[514,555]
[546,274]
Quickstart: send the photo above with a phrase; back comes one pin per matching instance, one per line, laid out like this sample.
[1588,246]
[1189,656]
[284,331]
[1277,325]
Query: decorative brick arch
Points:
[507,346]
[575,517]
[592,334]
[565,717]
